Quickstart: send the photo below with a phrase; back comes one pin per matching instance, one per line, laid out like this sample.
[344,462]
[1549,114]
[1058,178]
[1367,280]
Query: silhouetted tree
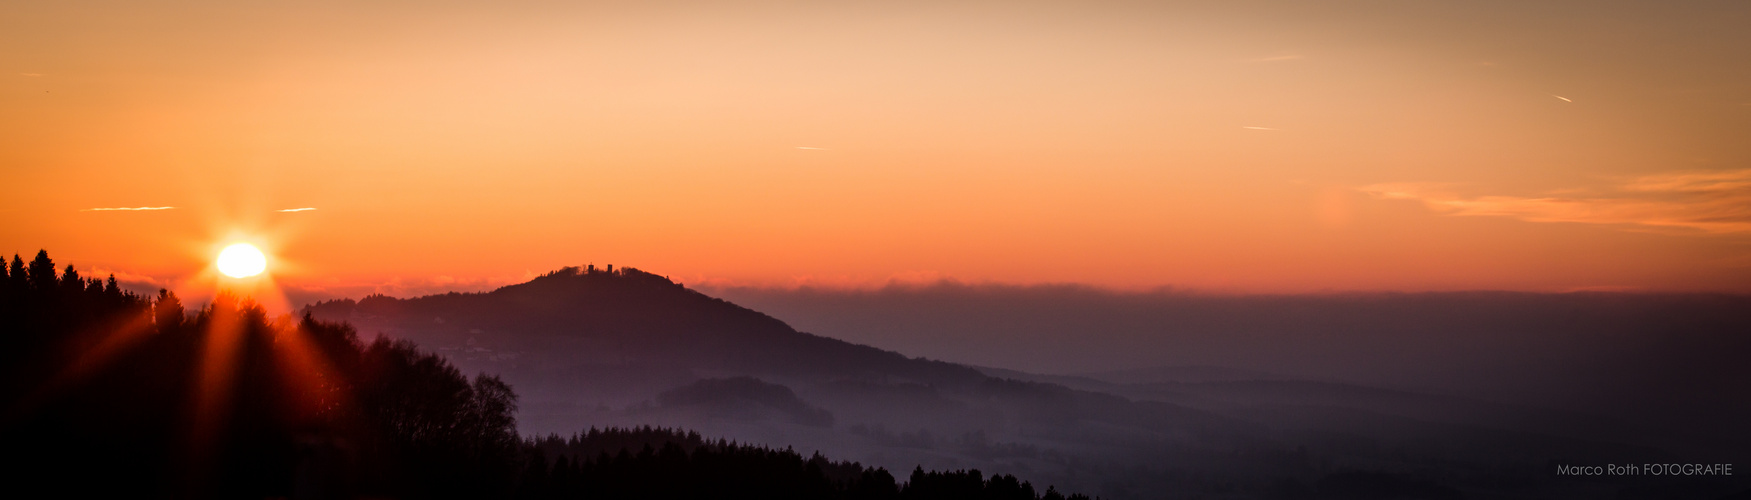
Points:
[71,283]
[167,311]
[42,272]
[7,291]
[17,287]
[19,279]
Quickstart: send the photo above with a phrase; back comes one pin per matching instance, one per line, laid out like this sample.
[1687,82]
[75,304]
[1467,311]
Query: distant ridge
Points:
[637,317]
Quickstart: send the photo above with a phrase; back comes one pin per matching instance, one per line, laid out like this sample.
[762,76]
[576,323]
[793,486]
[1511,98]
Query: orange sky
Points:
[1244,146]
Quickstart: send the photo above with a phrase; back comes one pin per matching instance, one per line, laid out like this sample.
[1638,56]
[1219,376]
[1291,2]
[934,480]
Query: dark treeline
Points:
[107,392]
[663,463]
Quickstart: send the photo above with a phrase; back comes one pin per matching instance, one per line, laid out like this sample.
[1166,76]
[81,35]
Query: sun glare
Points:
[242,260]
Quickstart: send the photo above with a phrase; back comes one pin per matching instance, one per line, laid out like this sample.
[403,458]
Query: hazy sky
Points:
[1232,146]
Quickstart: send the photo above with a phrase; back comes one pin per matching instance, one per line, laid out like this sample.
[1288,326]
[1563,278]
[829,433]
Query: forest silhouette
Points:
[108,392]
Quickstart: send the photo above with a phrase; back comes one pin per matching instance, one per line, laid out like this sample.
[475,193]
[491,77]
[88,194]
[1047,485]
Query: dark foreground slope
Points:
[107,393]
[591,347]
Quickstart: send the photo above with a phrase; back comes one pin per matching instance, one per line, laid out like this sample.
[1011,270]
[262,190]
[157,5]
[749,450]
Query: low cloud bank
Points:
[1635,356]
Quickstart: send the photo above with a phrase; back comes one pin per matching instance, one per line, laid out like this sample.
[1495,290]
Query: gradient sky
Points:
[1225,146]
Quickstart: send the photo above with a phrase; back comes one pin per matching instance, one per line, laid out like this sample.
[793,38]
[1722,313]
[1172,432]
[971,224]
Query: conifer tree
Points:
[7,292]
[71,284]
[20,280]
[42,273]
[167,311]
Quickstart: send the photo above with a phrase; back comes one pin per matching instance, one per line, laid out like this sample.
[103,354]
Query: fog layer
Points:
[1636,357]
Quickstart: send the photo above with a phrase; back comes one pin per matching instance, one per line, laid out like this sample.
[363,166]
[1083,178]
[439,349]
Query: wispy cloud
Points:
[1565,99]
[125,209]
[1694,182]
[1258,128]
[305,209]
[1712,202]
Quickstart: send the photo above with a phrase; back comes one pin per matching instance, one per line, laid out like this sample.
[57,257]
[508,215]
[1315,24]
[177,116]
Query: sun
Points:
[242,260]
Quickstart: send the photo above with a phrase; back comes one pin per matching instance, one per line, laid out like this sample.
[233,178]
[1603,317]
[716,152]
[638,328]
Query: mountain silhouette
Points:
[584,320]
